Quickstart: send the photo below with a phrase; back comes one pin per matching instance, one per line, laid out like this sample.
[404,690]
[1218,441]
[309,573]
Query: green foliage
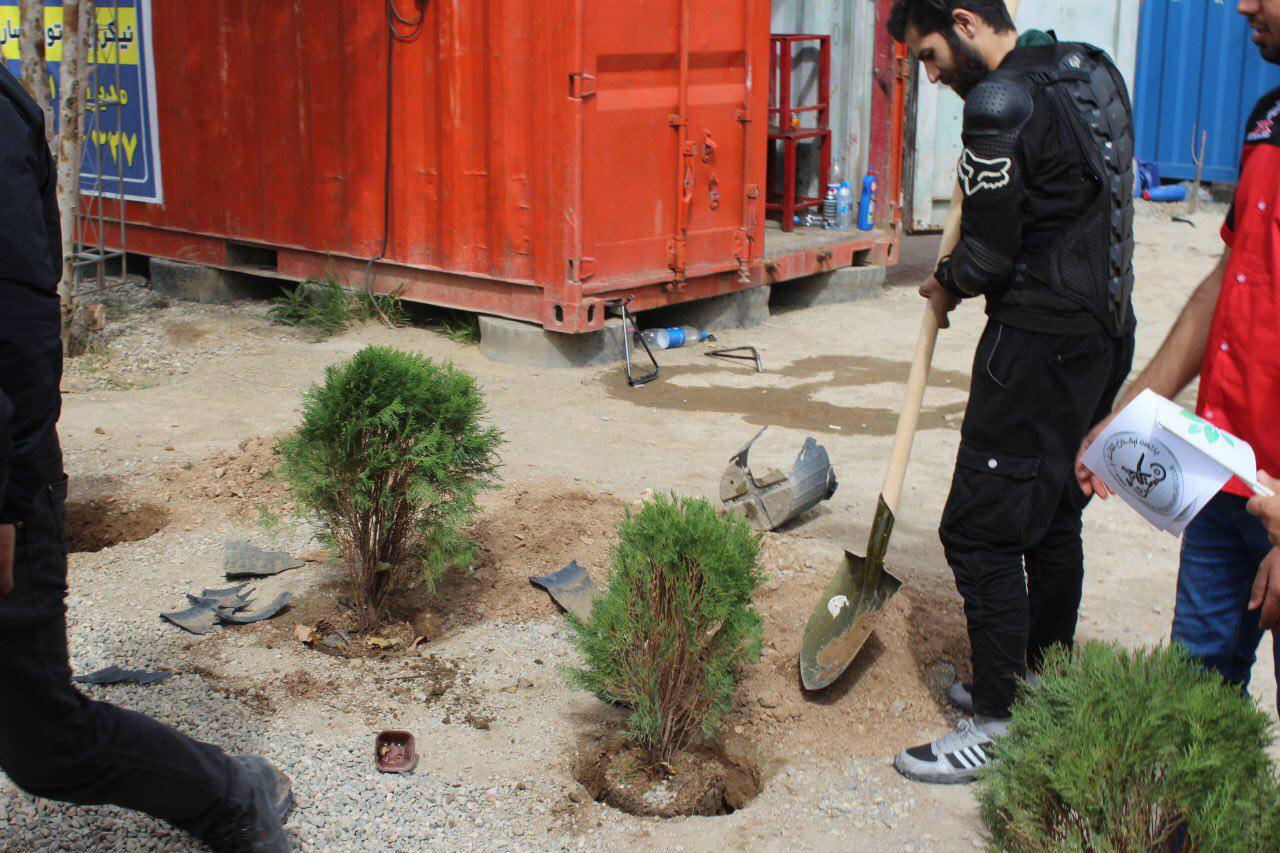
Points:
[328,307]
[1128,751]
[670,633]
[461,327]
[389,458]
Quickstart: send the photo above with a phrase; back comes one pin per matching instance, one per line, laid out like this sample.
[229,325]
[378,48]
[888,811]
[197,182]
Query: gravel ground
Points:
[505,784]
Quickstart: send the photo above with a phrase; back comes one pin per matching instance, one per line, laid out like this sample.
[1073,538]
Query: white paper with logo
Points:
[1165,462]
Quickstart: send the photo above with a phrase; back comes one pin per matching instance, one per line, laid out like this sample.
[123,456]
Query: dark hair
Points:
[931,16]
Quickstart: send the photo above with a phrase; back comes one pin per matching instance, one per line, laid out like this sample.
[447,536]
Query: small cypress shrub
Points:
[1132,751]
[675,623]
[389,458]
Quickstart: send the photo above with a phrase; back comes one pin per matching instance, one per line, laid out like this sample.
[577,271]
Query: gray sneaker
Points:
[955,758]
[260,827]
[960,694]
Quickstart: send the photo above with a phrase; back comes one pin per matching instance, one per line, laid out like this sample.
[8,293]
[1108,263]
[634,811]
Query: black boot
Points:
[259,827]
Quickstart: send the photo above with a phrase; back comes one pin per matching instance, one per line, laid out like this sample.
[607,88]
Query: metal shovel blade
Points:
[849,609]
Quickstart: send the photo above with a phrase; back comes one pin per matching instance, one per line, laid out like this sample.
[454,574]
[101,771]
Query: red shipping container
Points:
[524,158]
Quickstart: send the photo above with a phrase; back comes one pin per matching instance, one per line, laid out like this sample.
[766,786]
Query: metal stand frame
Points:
[106,94]
[628,329]
[739,354]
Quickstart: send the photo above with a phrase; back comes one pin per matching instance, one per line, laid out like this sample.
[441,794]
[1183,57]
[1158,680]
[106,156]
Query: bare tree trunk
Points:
[77,31]
[35,71]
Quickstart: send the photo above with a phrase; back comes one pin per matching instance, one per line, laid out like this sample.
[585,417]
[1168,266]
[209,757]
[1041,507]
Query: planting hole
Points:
[104,522]
[700,781]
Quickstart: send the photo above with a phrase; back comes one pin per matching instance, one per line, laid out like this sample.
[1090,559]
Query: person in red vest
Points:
[1229,335]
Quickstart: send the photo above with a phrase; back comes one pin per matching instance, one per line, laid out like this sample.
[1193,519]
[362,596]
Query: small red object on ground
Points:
[395,752]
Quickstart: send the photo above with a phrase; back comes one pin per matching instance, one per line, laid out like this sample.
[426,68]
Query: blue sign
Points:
[122,143]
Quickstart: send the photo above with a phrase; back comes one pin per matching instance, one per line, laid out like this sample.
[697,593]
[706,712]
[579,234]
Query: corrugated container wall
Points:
[525,158]
[1198,71]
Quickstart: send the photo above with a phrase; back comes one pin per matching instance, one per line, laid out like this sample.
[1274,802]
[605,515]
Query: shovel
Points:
[854,600]
[857,595]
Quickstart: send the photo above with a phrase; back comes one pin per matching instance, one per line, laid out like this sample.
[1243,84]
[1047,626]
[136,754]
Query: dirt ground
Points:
[184,445]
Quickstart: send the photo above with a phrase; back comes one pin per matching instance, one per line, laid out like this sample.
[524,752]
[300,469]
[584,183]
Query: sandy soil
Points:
[193,441]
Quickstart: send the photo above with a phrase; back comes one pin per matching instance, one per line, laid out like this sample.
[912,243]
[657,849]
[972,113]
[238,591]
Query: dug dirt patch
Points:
[240,482]
[99,523]
[702,781]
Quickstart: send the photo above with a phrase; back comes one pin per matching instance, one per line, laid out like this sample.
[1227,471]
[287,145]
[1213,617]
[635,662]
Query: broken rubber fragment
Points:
[243,560]
[571,588]
[200,619]
[282,600]
[116,675]
[232,598]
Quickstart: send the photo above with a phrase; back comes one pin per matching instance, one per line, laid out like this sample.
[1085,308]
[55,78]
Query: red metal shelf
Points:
[787,129]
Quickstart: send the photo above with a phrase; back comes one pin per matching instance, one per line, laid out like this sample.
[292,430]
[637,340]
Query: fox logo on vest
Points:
[977,174]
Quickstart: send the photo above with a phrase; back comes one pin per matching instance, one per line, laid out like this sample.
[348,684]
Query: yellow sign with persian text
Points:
[117,35]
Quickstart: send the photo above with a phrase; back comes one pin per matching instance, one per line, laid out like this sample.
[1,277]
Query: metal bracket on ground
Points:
[738,354]
[770,501]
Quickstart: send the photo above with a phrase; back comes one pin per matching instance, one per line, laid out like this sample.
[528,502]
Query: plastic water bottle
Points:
[845,198]
[867,204]
[831,207]
[672,338]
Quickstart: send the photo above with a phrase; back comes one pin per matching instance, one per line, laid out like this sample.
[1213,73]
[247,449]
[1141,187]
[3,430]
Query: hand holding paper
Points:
[1166,462]
[1267,507]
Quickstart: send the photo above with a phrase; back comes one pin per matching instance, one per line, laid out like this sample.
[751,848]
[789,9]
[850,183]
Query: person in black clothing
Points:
[1047,239]
[54,742]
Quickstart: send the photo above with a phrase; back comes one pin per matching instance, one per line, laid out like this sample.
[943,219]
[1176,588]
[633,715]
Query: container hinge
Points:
[581,85]
[742,254]
[743,116]
[902,68]
[677,261]
[581,269]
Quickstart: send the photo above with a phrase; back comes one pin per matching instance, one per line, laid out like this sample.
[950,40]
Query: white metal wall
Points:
[851,25]
[1109,24]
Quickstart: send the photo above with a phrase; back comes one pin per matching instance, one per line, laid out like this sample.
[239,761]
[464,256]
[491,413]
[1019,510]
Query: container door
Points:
[664,92]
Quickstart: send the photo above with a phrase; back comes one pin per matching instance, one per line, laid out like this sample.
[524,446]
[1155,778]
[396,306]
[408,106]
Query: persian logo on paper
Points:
[1146,468]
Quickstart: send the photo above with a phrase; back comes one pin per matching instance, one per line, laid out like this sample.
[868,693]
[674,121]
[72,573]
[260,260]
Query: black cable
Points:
[395,21]
[394,34]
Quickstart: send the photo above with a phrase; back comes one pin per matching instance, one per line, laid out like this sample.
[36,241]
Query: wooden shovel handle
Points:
[909,420]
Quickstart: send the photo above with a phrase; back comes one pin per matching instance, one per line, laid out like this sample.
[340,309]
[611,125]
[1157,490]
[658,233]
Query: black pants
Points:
[56,743]
[1012,524]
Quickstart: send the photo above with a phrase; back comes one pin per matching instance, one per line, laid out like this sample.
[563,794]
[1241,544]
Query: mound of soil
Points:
[527,531]
[701,781]
[235,482]
[889,696]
